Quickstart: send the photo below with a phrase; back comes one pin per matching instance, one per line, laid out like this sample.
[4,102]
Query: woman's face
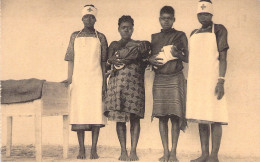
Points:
[89,20]
[126,30]
[166,20]
[205,18]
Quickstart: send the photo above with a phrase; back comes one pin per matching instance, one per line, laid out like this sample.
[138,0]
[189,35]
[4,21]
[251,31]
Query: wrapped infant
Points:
[131,52]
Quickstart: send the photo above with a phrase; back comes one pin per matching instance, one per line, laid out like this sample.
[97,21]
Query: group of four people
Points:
[121,96]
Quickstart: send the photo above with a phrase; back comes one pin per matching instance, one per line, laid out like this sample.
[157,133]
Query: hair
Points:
[206,1]
[91,5]
[125,18]
[168,10]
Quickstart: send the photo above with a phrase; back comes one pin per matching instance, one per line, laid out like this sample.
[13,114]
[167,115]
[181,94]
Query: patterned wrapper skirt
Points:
[169,97]
[125,94]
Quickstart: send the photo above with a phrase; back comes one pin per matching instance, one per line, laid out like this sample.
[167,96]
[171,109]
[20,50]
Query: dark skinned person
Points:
[87,57]
[169,51]
[125,99]
[206,76]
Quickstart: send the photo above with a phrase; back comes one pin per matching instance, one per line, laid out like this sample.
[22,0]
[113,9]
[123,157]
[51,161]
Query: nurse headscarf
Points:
[205,6]
[89,10]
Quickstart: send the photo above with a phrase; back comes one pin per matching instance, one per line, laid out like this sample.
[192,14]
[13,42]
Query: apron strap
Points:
[196,31]
[212,31]
[78,33]
[96,34]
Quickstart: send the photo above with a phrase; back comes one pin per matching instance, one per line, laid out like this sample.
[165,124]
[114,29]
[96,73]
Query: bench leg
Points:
[9,135]
[65,136]
[38,137]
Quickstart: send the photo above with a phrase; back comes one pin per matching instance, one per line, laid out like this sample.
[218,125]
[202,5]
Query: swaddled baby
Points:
[167,52]
[132,51]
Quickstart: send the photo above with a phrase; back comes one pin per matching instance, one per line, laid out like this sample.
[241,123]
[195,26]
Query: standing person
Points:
[125,93]
[87,57]
[207,68]
[169,83]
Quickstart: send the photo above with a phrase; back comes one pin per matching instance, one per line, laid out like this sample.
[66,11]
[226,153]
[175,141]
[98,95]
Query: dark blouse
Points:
[104,46]
[169,37]
[221,35]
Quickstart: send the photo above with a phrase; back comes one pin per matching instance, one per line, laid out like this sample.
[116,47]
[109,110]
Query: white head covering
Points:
[205,7]
[89,10]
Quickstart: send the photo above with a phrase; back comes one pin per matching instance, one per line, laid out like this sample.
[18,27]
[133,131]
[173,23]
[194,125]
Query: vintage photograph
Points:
[130,80]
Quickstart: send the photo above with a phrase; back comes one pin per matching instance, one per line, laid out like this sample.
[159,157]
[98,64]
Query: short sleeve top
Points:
[70,50]
[221,35]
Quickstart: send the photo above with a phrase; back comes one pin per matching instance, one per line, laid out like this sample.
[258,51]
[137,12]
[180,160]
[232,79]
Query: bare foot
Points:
[82,154]
[212,159]
[202,158]
[165,157]
[123,156]
[173,158]
[93,154]
[133,156]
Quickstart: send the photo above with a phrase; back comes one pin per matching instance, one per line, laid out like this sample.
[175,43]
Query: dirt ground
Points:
[107,154]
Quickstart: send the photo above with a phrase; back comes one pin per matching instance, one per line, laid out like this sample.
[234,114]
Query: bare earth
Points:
[107,154]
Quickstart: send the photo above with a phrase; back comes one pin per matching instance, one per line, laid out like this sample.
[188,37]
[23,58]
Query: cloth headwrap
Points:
[205,7]
[89,10]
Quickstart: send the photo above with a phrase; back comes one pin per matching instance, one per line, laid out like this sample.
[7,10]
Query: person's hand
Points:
[67,82]
[155,61]
[115,60]
[144,46]
[175,52]
[219,90]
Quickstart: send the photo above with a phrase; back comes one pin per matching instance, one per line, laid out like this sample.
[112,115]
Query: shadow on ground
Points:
[26,153]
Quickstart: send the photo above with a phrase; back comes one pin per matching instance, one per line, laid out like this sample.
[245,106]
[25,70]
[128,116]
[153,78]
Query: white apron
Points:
[86,90]
[202,103]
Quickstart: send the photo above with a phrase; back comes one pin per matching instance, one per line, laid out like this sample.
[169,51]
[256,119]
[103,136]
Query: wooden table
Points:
[54,102]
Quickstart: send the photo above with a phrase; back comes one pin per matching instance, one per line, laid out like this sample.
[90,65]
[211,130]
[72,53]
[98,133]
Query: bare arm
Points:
[70,58]
[104,56]
[70,70]
[219,91]
[222,63]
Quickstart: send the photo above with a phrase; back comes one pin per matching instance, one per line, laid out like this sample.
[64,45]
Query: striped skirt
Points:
[169,97]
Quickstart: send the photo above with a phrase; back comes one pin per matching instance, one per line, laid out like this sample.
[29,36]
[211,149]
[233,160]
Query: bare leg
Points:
[204,140]
[95,134]
[135,132]
[163,127]
[121,134]
[81,136]
[175,137]
[216,133]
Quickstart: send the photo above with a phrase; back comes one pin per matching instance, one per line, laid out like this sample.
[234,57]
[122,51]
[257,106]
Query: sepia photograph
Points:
[130,80]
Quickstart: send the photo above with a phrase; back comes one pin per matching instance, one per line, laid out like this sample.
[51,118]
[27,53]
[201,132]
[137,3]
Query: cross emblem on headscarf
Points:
[203,6]
[90,9]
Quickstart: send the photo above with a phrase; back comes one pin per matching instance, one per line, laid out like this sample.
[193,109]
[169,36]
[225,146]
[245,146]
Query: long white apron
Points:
[86,90]
[202,103]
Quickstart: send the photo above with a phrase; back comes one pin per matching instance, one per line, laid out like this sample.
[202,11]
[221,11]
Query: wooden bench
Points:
[54,102]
